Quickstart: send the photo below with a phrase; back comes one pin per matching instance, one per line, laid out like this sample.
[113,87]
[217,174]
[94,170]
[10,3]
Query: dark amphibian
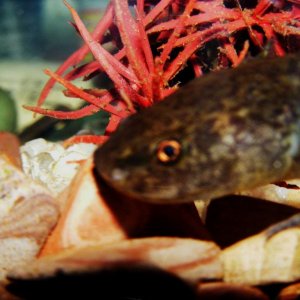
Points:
[225,132]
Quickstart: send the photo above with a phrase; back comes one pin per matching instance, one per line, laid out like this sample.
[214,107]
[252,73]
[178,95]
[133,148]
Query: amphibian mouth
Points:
[225,132]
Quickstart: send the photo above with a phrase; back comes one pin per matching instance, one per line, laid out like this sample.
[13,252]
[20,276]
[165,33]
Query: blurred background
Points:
[34,35]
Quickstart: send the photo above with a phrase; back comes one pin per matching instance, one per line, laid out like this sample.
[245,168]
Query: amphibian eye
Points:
[168,151]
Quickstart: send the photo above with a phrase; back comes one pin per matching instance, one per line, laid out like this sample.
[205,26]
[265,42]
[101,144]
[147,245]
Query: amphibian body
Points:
[225,132]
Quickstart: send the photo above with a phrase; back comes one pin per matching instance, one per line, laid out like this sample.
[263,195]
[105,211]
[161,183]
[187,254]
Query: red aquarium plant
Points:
[160,44]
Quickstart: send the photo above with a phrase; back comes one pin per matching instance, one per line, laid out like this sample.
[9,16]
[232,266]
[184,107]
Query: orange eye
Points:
[168,151]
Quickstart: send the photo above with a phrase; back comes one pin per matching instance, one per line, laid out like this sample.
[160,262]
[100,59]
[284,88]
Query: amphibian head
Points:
[226,132]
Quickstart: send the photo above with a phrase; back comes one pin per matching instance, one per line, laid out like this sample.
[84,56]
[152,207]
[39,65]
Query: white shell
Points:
[52,164]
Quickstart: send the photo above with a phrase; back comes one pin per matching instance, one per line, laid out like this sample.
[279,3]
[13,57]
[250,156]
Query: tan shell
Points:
[27,214]
[223,290]
[291,292]
[274,193]
[86,219]
[188,258]
[264,258]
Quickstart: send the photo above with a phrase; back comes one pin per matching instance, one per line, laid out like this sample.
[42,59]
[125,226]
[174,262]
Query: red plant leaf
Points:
[104,58]
[92,139]
[88,68]
[65,115]
[145,45]
[211,17]
[78,55]
[156,11]
[140,7]
[100,102]
[176,33]
[112,125]
[131,40]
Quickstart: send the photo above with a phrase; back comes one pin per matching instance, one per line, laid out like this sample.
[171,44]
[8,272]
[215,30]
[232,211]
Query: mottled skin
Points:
[238,128]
